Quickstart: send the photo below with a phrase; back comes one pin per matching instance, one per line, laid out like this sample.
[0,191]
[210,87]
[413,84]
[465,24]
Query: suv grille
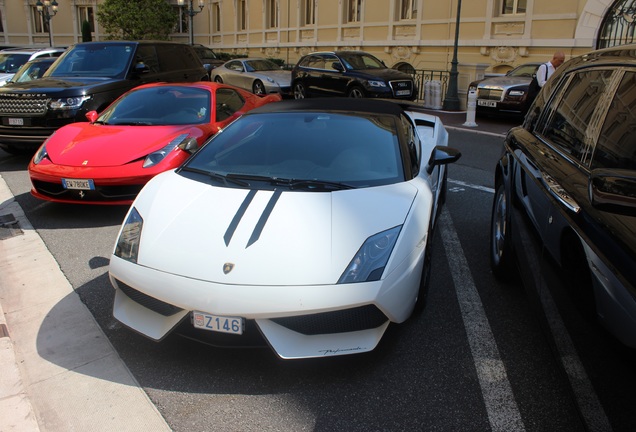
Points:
[402,88]
[24,105]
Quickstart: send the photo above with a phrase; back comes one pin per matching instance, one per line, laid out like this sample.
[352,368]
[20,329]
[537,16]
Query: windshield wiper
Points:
[224,179]
[133,123]
[308,184]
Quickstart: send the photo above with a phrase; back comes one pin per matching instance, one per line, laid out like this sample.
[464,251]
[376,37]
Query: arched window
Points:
[618,25]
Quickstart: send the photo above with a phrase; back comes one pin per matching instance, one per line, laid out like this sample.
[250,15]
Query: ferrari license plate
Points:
[79,184]
[223,324]
[487,103]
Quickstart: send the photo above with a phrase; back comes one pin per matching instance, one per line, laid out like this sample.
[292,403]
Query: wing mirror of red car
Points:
[613,190]
[442,155]
[92,116]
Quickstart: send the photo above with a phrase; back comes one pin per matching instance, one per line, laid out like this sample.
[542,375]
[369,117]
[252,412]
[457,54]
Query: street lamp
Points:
[191,12]
[451,101]
[48,9]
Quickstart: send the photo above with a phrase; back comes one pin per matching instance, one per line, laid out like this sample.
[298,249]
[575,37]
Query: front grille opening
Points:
[155,305]
[342,321]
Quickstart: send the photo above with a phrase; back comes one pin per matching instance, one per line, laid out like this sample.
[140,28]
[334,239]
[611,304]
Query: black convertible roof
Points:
[369,106]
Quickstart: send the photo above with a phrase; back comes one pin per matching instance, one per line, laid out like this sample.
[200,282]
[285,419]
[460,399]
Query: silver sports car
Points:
[258,75]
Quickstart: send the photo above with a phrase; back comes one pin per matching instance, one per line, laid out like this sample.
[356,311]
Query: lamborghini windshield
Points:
[298,148]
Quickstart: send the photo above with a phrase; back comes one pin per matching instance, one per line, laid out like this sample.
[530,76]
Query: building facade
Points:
[493,37]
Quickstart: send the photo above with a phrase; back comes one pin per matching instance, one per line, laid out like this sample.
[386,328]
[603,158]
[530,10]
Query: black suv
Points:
[567,178]
[349,73]
[88,76]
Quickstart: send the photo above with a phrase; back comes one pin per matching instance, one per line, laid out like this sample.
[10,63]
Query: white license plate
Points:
[79,184]
[403,92]
[223,324]
[487,103]
[16,122]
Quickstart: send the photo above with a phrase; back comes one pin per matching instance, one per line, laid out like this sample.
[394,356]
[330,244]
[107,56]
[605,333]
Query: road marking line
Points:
[472,186]
[503,413]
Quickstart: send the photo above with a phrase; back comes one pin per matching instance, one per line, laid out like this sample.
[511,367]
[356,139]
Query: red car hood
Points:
[86,144]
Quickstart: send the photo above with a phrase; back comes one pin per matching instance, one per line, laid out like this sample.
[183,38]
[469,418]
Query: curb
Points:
[59,370]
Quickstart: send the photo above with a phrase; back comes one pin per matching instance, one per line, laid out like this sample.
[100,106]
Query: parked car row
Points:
[345,192]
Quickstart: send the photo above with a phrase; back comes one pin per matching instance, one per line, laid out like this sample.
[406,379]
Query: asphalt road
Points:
[480,356]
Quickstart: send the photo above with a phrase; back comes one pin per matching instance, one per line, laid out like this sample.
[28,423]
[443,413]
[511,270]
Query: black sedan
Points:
[349,73]
[567,178]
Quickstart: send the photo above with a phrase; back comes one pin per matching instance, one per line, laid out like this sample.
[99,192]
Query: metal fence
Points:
[421,76]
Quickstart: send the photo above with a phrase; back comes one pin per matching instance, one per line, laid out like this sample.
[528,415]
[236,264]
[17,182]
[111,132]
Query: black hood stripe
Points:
[237,217]
[263,219]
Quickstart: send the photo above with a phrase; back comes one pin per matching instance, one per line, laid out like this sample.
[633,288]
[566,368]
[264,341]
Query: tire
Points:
[502,259]
[258,88]
[355,92]
[218,79]
[299,91]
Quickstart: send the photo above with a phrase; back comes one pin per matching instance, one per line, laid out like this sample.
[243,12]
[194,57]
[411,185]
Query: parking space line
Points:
[472,186]
[502,409]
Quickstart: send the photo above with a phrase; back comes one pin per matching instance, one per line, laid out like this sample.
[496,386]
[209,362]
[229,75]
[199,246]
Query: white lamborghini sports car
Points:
[305,225]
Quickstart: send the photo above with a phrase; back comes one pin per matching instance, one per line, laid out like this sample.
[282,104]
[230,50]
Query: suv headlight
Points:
[127,246]
[377,84]
[516,93]
[68,103]
[368,264]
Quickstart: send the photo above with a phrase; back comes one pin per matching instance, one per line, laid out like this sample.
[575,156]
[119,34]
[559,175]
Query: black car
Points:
[351,74]
[207,56]
[507,94]
[88,76]
[567,179]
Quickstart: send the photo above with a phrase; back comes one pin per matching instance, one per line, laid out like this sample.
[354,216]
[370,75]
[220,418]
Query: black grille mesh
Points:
[342,321]
[147,301]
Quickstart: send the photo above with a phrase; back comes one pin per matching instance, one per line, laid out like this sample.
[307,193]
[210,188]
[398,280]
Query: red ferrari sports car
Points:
[151,129]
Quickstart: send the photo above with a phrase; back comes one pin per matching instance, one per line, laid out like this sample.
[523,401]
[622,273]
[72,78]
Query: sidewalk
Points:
[59,372]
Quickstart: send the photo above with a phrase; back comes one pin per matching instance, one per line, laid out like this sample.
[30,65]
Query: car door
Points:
[236,74]
[553,166]
[333,79]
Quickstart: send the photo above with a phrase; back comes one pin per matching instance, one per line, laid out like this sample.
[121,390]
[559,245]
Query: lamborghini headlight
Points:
[368,264]
[128,242]
[155,157]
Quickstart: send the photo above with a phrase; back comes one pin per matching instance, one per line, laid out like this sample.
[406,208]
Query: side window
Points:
[315,62]
[174,57]
[235,66]
[567,124]
[414,144]
[228,102]
[148,55]
[616,147]
[329,61]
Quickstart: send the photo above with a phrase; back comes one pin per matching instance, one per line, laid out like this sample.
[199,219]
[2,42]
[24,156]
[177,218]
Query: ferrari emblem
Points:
[85,162]
[81,194]
[228,267]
